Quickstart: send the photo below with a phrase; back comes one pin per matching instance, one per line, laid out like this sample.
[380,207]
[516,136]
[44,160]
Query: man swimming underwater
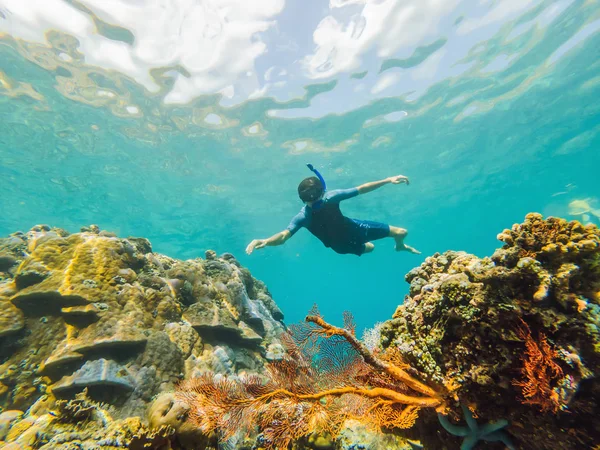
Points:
[321,215]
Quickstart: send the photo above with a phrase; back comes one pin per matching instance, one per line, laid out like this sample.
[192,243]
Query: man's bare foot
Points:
[407,248]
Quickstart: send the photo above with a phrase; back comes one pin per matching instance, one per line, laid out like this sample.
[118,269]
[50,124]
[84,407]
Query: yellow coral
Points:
[93,259]
[19,428]
[167,410]
[76,264]
[553,235]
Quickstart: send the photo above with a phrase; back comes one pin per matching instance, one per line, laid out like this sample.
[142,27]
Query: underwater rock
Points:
[516,334]
[90,309]
[184,337]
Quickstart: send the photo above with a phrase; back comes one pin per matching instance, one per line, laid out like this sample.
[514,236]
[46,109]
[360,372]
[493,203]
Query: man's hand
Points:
[276,239]
[398,179]
[255,244]
[368,187]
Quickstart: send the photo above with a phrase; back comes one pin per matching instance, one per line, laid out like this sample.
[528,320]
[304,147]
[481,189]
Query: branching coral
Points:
[539,372]
[326,377]
[78,409]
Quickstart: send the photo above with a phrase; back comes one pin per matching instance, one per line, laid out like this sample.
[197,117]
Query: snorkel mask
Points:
[318,203]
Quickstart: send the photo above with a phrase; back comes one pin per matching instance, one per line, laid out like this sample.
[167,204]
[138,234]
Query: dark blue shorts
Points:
[361,232]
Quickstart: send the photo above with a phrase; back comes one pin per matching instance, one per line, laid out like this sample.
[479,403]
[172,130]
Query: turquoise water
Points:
[490,108]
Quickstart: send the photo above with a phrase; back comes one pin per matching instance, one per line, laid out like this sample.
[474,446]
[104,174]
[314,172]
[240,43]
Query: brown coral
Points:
[551,237]
[462,321]
[568,254]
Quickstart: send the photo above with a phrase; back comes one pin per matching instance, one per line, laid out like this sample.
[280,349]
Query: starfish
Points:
[490,432]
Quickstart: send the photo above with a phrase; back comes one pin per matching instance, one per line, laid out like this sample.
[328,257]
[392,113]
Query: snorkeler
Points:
[321,215]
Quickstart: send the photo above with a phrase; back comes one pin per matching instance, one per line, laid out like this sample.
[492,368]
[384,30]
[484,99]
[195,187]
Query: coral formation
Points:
[106,344]
[517,332]
[167,411]
[91,311]
[79,423]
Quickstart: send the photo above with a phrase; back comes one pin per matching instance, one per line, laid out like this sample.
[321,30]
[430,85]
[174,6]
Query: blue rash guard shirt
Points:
[340,233]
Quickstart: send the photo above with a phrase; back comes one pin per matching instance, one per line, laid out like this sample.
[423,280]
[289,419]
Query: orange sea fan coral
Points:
[539,372]
[326,378]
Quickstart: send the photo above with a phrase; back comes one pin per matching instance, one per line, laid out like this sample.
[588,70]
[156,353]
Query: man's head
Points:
[310,189]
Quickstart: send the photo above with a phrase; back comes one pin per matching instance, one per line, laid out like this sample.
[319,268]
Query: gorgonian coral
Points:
[326,377]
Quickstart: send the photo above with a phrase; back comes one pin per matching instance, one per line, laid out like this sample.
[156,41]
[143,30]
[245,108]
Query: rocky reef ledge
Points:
[107,316]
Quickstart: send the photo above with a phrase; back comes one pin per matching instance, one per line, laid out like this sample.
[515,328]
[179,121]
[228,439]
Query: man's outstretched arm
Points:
[368,187]
[277,239]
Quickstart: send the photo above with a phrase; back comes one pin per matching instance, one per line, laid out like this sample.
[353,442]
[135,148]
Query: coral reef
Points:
[97,331]
[91,311]
[106,344]
[517,333]
[78,423]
